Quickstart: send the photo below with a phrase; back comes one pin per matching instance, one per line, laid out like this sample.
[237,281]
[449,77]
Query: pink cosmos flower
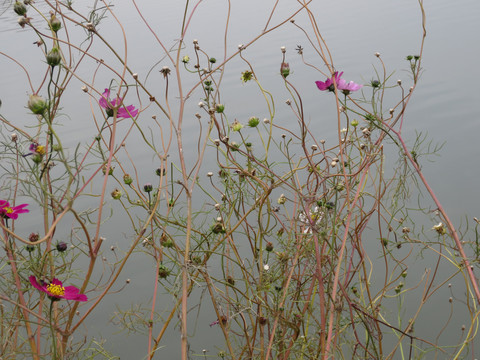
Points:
[56,291]
[12,212]
[349,87]
[122,112]
[328,84]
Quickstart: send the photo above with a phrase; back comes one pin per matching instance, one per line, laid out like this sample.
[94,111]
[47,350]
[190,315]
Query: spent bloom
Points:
[123,112]
[12,211]
[56,291]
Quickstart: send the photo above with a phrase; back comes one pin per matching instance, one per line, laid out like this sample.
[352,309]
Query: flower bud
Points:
[53,57]
[212,60]
[253,121]
[61,246]
[269,247]
[236,126]
[219,108]
[285,69]
[30,248]
[37,158]
[14,137]
[186,59]
[282,199]
[55,24]
[37,104]
[19,8]
[147,187]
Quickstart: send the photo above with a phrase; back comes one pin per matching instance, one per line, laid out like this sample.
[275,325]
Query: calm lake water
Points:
[444,106]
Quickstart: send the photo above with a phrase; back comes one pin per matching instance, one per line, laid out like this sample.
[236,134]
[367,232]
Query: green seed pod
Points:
[20,8]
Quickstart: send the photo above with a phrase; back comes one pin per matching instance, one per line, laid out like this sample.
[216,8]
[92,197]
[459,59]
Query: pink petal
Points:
[36,285]
[321,85]
[55,281]
[104,99]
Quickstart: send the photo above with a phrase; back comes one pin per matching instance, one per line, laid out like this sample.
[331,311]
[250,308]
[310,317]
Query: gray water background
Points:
[444,106]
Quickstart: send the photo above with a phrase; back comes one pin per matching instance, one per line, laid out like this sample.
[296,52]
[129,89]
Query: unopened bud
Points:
[53,57]
[37,104]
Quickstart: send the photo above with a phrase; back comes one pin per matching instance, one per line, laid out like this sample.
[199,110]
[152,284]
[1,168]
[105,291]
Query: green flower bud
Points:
[282,199]
[253,121]
[186,59]
[55,24]
[409,57]
[236,126]
[219,108]
[53,57]
[147,187]
[212,60]
[354,123]
[20,8]
[37,104]
[37,158]
[285,69]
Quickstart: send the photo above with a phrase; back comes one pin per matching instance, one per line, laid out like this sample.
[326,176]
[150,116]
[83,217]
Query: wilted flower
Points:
[440,228]
[56,291]
[122,112]
[116,194]
[247,75]
[282,199]
[12,212]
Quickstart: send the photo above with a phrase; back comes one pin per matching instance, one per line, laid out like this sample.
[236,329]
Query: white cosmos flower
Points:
[316,215]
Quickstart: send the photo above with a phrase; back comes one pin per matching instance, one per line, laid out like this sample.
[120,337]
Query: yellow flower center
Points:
[56,290]
[8,210]
[40,150]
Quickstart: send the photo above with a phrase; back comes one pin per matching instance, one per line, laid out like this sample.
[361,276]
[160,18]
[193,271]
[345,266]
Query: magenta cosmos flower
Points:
[12,211]
[56,291]
[328,84]
[123,112]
